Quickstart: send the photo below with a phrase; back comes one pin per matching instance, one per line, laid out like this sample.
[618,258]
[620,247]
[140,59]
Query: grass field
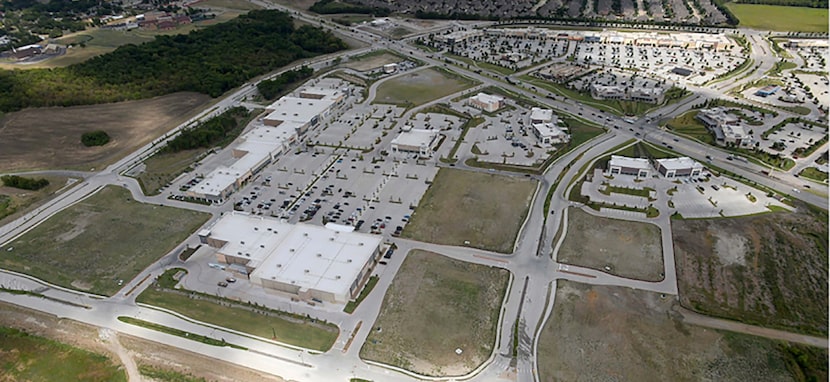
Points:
[372,60]
[689,126]
[742,268]
[103,239]
[434,306]
[628,249]
[14,201]
[25,357]
[50,138]
[292,330]
[419,87]
[485,210]
[162,168]
[602,333]
[780,18]
[813,173]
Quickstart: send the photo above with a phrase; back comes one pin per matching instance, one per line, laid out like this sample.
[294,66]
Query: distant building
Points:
[682,71]
[539,115]
[417,141]
[549,134]
[486,102]
[640,94]
[678,167]
[726,127]
[390,68]
[638,167]
[308,262]
[767,90]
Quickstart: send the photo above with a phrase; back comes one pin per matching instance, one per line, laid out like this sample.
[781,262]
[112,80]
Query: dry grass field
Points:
[372,61]
[100,240]
[485,210]
[14,201]
[50,138]
[420,86]
[769,270]
[601,333]
[434,306]
[628,249]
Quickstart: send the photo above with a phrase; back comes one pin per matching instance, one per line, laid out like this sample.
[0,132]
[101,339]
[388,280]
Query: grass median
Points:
[247,318]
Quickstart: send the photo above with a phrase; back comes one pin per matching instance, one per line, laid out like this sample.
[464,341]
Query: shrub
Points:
[24,183]
[95,138]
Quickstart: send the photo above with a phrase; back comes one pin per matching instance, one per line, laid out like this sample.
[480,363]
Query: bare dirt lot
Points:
[627,249]
[142,352]
[434,306]
[601,333]
[50,138]
[769,270]
[471,208]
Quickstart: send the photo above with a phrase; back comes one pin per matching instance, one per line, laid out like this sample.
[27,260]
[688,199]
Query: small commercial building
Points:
[415,141]
[726,127]
[217,186]
[679,167]
[486,102]
[303,261]
[539,115]
[767,91]
[390,68]
[620,165]
[639,94]
[549,134]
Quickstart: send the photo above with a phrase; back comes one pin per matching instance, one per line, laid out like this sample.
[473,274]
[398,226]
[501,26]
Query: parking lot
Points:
[793,136]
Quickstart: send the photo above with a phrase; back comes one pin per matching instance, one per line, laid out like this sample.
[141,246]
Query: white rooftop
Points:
[309,256]
[297,109]
[679,163]
[621,161]
[217,181]
[548,129]
[488,98]
[415,137]
[539,114]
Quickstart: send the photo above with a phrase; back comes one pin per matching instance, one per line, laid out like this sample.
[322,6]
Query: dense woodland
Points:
[334,6]
[210,61]
[271,89]
[216,131]
[24,183]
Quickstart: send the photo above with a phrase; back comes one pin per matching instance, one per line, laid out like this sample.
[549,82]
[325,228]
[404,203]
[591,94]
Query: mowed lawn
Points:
[25,357]
[419,87]
[434,306]
[780,18]
[688,125]
[472,208]
[104,238]
[628,249]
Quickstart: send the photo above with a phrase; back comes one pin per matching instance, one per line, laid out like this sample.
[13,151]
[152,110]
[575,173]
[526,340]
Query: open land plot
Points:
[51,137]
[434,306]
[745,269]
[628,249]
[294,330]
[420,86]
[103,239]
[780,18]
[372,60]
[814,174]
[162,168]
[28,357]
[688,125]
[485,210]
[613,333]
[14,201]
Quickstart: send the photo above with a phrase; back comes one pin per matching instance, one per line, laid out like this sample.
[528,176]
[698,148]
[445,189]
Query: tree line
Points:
[273,88]
[24,183]
[222,128]
[210,61]
[333,6]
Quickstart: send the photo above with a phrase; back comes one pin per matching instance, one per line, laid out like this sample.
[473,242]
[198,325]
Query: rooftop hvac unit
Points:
[262,245]
[242,242]
[306,271]
[337,277]
[319,255]
[291,250]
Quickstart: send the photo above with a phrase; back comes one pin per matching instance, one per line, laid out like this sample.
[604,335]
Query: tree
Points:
[95,138]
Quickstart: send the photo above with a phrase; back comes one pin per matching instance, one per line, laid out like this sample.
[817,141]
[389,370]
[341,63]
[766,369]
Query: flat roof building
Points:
[300,260]
[539,115]
[640,94]
[216,186]
[726,127]
[679,167]
[486,102]
[418,141]
[638,167]
[549,134]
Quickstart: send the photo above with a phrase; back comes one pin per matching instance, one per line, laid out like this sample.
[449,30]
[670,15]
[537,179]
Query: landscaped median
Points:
[178,333]
[244,317]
